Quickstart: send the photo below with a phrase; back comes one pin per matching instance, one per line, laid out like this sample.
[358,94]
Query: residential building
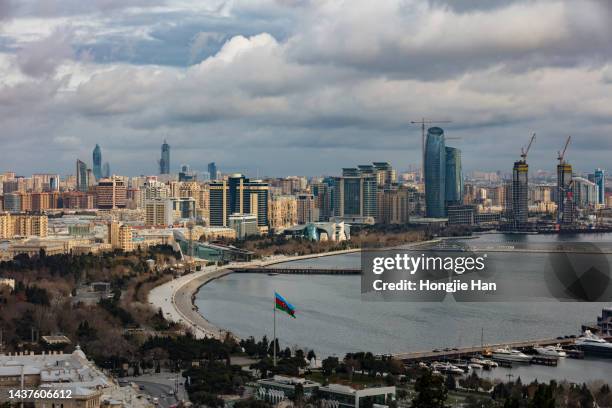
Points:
[306,209]
[111,193]
[159,212]
[283,212]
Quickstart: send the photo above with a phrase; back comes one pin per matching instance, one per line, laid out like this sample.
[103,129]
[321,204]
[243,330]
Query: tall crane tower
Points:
[565,184]
[524,151]
[423,122]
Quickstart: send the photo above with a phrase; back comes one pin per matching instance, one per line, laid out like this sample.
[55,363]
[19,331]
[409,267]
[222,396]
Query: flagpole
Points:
[274,341]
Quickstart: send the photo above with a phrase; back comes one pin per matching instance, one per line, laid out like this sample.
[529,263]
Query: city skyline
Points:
[299,82]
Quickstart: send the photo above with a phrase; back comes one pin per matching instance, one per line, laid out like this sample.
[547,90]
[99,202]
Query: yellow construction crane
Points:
[423,122]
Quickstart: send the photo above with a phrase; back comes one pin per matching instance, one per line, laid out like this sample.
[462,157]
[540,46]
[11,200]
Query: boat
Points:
[551,351]
[510,355]
[476,366]
[592,344]
[446,368]
[272,274]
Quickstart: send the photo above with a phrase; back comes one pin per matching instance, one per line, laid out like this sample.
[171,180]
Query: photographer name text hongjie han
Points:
[404,263]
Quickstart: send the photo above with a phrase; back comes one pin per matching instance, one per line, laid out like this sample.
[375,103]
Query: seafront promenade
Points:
[175,298]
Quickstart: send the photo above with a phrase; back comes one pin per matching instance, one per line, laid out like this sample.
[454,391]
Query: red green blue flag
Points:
[282,304]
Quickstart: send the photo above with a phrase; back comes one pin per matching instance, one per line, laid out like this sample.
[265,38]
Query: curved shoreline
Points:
[176,297]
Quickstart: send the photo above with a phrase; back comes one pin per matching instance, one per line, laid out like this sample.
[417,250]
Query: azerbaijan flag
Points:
[282,304]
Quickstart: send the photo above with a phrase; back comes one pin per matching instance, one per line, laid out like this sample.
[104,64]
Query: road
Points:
[160,386]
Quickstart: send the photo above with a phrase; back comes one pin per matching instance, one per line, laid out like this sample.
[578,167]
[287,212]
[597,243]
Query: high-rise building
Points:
[323,196]
[435,173]
[97,162]
[164,161]
[355,193]
[519,199]
[106,171]
[153,189]
[238,195]
[307,211]
[212,171]
[565,194]
[385,174]
[82,176]
[394,205]
[586,193]
[282,212]
[454,177]
[186,174]
[111,193]
[599,178]
[159,212]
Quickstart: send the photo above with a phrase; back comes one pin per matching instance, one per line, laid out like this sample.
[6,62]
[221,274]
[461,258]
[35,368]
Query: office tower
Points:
[306,209]
[565,195]
[454,177]
[184,207]
[283,212]
[97,162]
[520,194]
[212,171]
[586,193]
[106,171]
[599,178]
[164,162]
[82,176]
[238,195]
[111,193]
[435,173]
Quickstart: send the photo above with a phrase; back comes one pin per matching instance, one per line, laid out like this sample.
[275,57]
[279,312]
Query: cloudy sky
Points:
[280,87]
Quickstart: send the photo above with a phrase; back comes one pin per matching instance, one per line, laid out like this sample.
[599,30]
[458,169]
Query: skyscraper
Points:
[520,194]
[435,173]
[82,179]
[164,162]
[106,172]
[565,194]
[238,195]
[599,178]
[454,177]
[212,171]
[97,162]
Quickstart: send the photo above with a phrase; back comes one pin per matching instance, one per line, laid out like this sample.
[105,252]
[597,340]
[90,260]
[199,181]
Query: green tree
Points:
[430,391]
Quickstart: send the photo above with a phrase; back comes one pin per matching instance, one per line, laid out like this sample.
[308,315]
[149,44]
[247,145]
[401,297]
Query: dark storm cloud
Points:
[291,86]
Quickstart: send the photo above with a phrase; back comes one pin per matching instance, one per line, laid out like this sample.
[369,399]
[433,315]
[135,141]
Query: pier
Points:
[298,271]
[467,351]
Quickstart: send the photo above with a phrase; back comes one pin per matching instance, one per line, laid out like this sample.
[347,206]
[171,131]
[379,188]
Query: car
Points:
[141,387]
[455,349]
[573,336]
[436,350]
[447,349]
[559,337]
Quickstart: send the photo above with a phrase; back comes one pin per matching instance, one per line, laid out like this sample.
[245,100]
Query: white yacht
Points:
[511,355]
[446,368]
[595,345]
[551,351]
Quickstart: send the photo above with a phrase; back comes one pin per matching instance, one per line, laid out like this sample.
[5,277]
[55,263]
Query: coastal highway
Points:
[174,298]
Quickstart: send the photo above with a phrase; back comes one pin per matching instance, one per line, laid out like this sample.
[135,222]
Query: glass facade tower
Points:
[435,173]
[97,162]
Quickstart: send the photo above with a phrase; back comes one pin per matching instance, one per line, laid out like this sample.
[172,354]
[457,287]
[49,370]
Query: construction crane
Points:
[423,122]
[525,151]
[562,152]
